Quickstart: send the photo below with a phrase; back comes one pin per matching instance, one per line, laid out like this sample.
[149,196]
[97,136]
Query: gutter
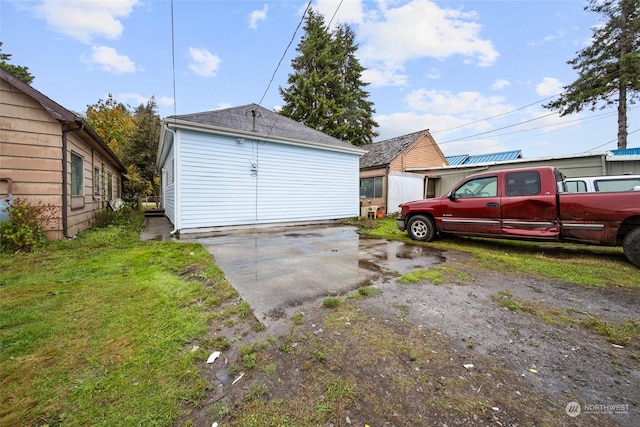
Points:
[65,180]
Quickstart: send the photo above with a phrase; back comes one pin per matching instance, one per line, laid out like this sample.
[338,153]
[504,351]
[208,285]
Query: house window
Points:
[371,188]
[77,174]
[109,186]
[96,181]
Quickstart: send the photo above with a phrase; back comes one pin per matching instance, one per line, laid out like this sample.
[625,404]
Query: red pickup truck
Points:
[527,204]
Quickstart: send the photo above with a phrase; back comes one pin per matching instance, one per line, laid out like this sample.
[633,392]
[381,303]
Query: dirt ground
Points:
[442,354]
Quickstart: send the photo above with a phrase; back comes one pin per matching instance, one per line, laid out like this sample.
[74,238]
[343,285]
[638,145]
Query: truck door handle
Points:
[492,205]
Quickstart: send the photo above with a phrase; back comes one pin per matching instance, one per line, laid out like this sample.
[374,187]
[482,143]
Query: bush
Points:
[108,216]
[25,229]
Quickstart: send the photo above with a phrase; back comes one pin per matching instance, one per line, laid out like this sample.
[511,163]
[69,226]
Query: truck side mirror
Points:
[451,196]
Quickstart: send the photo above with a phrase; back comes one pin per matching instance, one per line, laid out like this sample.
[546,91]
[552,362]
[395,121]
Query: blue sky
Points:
[475,73]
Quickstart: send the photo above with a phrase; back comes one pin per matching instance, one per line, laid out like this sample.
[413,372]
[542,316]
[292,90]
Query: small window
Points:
[77,174]
[479,187]
[109,186]
[96,181]
[622,184]
[523,183]
[371,188]
[576,186]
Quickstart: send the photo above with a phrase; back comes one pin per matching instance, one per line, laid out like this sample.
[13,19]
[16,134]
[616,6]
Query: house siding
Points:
[217,186]
[31,156]
[423,152]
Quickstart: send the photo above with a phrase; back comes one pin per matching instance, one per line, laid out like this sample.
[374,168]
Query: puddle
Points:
[278,270]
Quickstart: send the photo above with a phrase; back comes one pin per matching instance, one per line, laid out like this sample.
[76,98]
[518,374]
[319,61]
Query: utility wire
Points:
[509,112]
[173,61]
[273,76]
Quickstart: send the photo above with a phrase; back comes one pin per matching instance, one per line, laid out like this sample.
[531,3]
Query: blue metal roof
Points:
[457,160]
[465,159]
[627,152]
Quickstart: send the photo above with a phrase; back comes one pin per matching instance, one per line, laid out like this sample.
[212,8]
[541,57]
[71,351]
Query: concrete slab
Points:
[275,270]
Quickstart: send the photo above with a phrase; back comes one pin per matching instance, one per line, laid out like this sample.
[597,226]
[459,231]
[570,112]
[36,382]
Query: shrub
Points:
[25,229]
[108,216]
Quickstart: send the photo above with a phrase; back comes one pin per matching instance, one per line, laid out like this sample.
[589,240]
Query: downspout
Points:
[65,180]
[386,189]
[175,186]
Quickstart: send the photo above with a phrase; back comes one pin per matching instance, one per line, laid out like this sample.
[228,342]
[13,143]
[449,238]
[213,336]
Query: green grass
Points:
[96,330]
[624,334]
[579,264]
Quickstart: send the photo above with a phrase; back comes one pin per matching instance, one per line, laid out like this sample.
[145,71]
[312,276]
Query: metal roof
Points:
[466,159]
[626,152]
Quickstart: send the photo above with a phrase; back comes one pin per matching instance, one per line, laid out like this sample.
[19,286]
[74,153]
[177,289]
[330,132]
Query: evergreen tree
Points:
[21,73]
[609,69]
[326,91]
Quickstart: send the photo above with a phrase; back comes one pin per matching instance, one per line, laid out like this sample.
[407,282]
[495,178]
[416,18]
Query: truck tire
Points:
[631,246]
[421,228]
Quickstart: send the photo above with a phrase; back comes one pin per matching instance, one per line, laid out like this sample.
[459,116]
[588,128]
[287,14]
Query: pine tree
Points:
[326,92]
[609,69]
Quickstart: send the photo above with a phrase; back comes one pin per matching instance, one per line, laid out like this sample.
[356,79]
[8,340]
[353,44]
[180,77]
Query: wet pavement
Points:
[274,270]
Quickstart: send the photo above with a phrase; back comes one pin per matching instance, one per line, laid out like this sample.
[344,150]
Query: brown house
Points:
[49,154]
[384,178]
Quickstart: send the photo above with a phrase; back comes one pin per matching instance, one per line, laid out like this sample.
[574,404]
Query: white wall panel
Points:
[219,187]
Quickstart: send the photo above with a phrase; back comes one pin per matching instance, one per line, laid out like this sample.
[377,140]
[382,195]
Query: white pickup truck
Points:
[589,184]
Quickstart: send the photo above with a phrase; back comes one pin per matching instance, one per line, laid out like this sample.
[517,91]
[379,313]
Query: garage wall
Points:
[229,181]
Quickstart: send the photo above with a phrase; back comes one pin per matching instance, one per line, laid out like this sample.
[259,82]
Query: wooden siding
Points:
[218,187]
[31,155]
[423,153]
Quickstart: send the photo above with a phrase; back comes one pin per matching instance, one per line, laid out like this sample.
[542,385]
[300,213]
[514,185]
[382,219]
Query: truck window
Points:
[576,186]
[622,184]
[479,187]
[523,183]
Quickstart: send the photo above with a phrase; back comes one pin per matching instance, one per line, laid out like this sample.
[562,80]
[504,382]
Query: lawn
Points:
[99,330]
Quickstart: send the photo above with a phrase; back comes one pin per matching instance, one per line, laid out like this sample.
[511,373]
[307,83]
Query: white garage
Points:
[246,166]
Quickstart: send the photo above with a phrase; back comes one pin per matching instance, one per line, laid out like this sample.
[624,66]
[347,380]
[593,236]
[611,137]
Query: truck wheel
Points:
[421,228]
[631,246]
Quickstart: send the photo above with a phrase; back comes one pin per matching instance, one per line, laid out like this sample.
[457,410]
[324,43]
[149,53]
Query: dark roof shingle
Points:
[266,122]
[382,153]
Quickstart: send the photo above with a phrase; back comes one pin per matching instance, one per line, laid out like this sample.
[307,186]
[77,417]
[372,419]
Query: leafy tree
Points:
[326,91]
[143,145]
[22,73]
[609,69]
[113,122]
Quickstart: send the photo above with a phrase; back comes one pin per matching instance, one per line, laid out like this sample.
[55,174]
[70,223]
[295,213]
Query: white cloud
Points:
[257,16]
[500,84]
[466,104]
[84,20]
[109,60]
[549,87]
[203,63]
[348,12]
[384,76]
[422,29]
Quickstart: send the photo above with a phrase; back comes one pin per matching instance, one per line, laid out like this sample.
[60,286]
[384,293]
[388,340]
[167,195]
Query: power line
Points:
[273,76]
